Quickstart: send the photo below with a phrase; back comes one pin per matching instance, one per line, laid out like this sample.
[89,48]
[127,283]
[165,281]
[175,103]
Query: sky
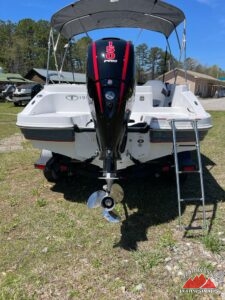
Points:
[205,25]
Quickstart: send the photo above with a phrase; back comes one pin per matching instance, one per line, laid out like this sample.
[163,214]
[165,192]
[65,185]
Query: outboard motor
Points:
[110,84]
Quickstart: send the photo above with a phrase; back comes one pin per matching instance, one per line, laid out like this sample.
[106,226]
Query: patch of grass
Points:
[8,129]
[9,227]
[73,294]
[3,173]
[11,288]
[212,243]
[41,202]
[8,114]
[9,108]
[146,260]
[13,201]
[150,258]
[167,240]
[206,265]
[96,263]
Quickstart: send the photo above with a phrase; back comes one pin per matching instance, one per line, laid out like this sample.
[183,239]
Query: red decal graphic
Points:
[199,282]
[124,73]
[110,51]
[96,73]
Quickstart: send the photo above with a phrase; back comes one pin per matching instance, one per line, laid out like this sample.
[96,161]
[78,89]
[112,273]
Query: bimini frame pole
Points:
[66,47]
[55,46]
[52,46]
[48,59]
[182,47]
[171,56]
[185,49]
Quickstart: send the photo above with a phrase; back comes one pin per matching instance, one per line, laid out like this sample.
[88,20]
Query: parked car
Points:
[25,92]
[7,92]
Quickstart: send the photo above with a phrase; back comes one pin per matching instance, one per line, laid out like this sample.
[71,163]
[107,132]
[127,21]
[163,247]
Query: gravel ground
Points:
[213,103]
[187,255]
[12,143]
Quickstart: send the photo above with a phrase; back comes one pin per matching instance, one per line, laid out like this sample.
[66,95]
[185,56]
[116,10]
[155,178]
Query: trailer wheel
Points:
[51,175]
[52,170]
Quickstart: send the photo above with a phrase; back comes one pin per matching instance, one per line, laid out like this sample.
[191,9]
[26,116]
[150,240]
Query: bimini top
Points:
[86,15]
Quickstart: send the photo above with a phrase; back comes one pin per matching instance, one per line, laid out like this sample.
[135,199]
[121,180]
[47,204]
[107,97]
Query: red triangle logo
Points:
[199,282]
[209,285]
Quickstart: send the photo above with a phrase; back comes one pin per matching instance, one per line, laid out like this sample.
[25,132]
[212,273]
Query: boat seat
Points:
[143,98]
[159,92]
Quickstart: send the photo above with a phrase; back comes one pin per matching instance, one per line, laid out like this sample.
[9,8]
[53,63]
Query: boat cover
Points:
[86,15]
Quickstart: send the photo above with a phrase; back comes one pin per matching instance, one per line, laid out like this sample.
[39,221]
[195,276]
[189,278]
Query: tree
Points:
[41,43]
[141,53]
[214,71]
[79,54]
[24,45]
[191,64]
[200,68]
[7,30]
[155,58]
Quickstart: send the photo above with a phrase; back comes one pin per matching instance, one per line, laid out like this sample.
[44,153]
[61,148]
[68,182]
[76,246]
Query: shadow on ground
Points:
[154,201]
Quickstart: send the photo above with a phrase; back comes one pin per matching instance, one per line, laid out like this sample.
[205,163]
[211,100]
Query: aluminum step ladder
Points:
[196,145]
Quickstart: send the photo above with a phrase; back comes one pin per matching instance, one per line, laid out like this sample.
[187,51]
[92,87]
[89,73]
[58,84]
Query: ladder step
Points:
[189,172]
[197,227]
[191,199]
[187,145]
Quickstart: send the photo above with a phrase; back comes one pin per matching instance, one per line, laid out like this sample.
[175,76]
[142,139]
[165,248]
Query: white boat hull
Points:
[58,119]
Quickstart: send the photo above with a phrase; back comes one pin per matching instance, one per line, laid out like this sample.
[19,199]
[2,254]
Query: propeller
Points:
[107,201]
[95,199]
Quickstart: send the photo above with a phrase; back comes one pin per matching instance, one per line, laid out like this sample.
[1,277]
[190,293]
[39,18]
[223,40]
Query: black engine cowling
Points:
[110,83]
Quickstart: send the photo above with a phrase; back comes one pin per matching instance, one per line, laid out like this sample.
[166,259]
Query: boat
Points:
[111,126]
